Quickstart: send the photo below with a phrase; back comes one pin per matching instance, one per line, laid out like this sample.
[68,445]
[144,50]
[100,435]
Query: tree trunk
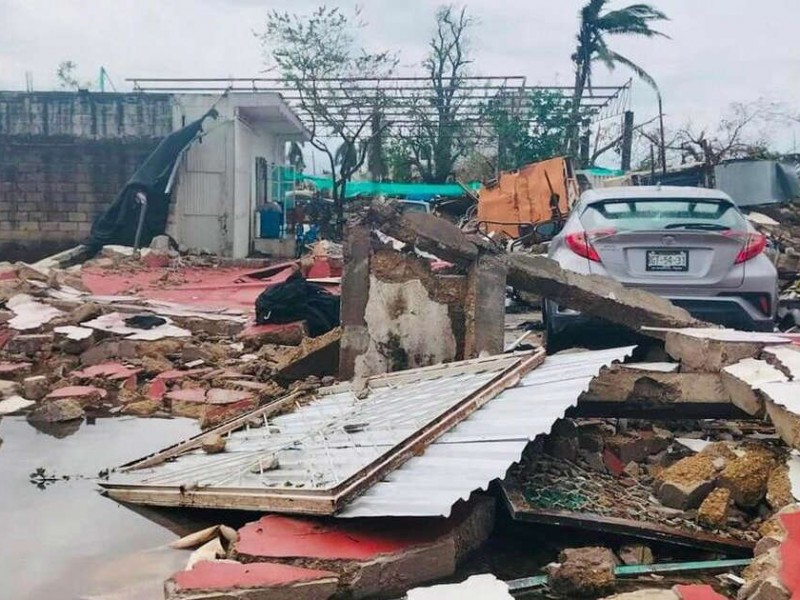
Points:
[573,130]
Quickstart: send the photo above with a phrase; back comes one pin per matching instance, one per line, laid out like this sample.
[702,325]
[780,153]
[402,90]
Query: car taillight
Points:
[579,243]
[754,245]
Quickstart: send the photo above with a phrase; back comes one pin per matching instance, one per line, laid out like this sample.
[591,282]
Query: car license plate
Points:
[667,260]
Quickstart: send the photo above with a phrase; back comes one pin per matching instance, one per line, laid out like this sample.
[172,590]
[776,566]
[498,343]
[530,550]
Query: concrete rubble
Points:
[682,456]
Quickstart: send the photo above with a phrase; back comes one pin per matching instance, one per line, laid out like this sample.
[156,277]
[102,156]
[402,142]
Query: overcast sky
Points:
[721,51]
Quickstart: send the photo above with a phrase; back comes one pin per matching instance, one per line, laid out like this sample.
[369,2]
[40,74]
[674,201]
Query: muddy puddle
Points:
[62,540]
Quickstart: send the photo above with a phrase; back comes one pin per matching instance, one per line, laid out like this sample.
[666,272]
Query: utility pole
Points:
[662,149]
[627,140]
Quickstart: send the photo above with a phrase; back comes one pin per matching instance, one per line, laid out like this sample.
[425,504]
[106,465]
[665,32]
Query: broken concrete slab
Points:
[786,358]
[36,387]
[317,356]
[746,477]
[583,572]
[598,296]
[14,370]
[476,587]
[8,388]
[686,484]
[223,580]
[283,334]
[56,411]
[743,379]
[714,510]
[709,350]
[627,383]
[782,401]
[14,404]
[84,395]
[30,314]
[595,295]
[373,557]
[30,345]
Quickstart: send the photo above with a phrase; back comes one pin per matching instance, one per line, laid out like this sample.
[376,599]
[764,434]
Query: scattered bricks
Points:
[56,411]
[213,444]
[108,350]
[593,460]
[374,557]
[72,339]
[709,350]
[288,334]
[84,395]
[110,371]
[747,477]
[713,512]
[85,312]
[770,588]
[142,408]
[8,388]
[156,389]
[224,396]
[636,554]
[225,580]
[14,370]
[742,380]
[187,403]
[219,326]
[564,448]
[314,356]
[218,414]
[30,344]
[175,374]
[583,573]
[685,484]
[153,365]
[637,447]
[779,488]
[762,578]
[35,388]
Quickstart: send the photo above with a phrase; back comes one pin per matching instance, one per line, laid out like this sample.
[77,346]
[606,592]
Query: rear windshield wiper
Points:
[702,226]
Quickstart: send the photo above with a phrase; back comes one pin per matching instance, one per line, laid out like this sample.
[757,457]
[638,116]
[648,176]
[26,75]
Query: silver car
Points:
[691,245]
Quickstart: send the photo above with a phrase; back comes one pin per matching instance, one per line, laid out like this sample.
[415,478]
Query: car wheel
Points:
[554,342]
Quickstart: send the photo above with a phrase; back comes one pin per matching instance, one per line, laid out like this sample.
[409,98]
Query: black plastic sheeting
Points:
[117,225]
[298,300]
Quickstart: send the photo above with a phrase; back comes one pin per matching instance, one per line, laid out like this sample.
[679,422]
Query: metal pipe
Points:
[141,198]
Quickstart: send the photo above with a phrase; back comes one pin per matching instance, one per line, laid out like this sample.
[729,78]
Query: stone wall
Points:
[64,156]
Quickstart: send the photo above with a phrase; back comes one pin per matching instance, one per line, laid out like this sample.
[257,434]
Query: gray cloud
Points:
[721,51]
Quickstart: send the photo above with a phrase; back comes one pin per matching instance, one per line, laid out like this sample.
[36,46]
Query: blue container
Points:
[270,221]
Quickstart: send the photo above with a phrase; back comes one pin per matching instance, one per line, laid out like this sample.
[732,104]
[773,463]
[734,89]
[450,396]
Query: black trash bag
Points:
[295,300]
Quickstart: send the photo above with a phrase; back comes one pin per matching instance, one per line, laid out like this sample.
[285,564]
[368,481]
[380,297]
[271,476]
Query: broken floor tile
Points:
[111,371]
[84,394]
[14,404]
[14,370]
[218,580]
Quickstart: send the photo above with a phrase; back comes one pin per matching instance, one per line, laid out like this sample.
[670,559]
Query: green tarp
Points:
[422,191]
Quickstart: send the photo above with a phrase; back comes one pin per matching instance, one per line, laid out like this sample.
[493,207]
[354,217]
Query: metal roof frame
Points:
[499,373]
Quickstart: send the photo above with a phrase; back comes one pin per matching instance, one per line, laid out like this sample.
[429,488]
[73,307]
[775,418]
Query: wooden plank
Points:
[520,510]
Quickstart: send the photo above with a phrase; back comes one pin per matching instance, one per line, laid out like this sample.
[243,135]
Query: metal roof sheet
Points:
[485,445]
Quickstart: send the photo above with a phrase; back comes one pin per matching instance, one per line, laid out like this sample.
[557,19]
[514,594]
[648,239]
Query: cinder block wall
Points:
[63,158]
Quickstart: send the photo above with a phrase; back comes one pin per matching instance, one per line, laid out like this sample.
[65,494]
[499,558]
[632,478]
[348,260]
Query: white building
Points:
[225,176]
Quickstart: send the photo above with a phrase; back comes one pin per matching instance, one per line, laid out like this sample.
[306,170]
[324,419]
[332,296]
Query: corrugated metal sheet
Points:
[325,442]
[484,446]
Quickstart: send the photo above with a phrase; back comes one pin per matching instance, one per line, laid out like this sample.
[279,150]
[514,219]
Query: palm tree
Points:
[295,157]
[597,25]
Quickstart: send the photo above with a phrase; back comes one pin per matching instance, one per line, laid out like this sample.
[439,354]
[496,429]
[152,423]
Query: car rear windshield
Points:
[674,213]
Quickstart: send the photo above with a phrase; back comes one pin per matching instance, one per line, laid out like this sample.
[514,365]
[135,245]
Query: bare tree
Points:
[440,135]
[741,133]
[319,57]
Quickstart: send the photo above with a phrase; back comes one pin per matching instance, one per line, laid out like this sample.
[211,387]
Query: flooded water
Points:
[62,540]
